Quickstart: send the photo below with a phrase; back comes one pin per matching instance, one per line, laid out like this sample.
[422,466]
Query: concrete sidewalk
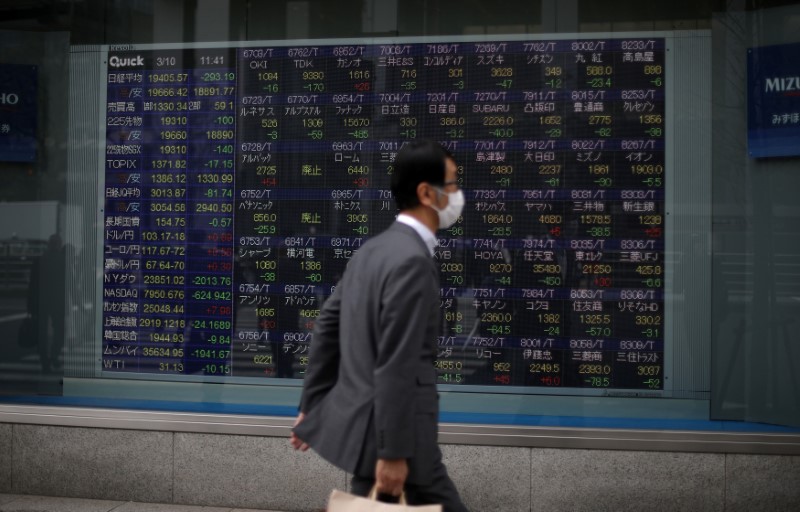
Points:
[26,503]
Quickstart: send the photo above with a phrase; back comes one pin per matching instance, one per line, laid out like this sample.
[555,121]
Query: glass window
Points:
[185,182]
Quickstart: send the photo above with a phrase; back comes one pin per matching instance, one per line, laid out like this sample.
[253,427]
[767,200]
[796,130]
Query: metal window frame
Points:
[449,433]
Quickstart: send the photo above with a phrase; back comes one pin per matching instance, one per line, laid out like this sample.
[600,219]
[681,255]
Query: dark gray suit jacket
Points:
[370,388]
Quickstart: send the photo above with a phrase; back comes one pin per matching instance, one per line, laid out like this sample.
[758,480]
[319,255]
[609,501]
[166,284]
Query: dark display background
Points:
[240,181]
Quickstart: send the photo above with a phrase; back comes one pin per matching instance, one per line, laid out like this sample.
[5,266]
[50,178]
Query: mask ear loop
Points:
[439,193]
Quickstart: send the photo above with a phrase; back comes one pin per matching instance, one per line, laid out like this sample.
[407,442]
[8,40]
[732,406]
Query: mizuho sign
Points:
[8,98]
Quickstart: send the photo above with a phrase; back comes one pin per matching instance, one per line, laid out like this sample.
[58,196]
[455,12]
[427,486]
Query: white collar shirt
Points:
[428,236]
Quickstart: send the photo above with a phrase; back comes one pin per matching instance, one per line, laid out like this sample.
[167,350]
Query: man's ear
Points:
[425,194]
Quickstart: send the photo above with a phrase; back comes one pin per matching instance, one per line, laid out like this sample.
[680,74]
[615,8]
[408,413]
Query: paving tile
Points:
[49,504]
[251,472]
[110,464]
[133,506]
[490,477]
[599,480]
[5,457]
[762,482]
[6,498]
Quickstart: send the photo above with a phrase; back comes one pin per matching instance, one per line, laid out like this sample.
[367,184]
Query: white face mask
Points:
[449,214]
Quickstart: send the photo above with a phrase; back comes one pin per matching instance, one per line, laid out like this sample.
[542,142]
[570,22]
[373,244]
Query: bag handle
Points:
[373,495]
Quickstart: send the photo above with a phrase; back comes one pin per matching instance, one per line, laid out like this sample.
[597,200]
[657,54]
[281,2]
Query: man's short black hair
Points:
[419,161]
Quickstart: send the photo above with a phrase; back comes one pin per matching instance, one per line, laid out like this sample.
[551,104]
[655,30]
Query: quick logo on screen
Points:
[119,62]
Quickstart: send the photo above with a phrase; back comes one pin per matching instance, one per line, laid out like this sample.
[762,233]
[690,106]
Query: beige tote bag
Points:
[344,502]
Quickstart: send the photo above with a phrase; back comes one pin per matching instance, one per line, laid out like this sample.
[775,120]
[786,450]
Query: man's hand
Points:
[295,441]
[390,476]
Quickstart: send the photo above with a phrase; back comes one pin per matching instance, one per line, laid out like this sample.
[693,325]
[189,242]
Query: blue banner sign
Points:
[18,113]
[773,100]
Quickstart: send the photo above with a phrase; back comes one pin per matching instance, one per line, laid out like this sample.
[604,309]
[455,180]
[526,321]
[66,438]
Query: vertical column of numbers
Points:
[211,182]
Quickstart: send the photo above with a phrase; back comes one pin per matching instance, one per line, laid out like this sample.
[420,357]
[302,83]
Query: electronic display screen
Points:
[239,182]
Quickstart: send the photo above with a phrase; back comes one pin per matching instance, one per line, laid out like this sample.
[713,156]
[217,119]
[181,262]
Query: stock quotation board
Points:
[239,182]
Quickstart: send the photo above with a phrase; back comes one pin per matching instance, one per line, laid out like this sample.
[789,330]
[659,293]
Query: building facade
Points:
[186,180]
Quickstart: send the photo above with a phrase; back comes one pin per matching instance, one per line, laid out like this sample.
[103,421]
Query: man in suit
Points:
[369,403]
